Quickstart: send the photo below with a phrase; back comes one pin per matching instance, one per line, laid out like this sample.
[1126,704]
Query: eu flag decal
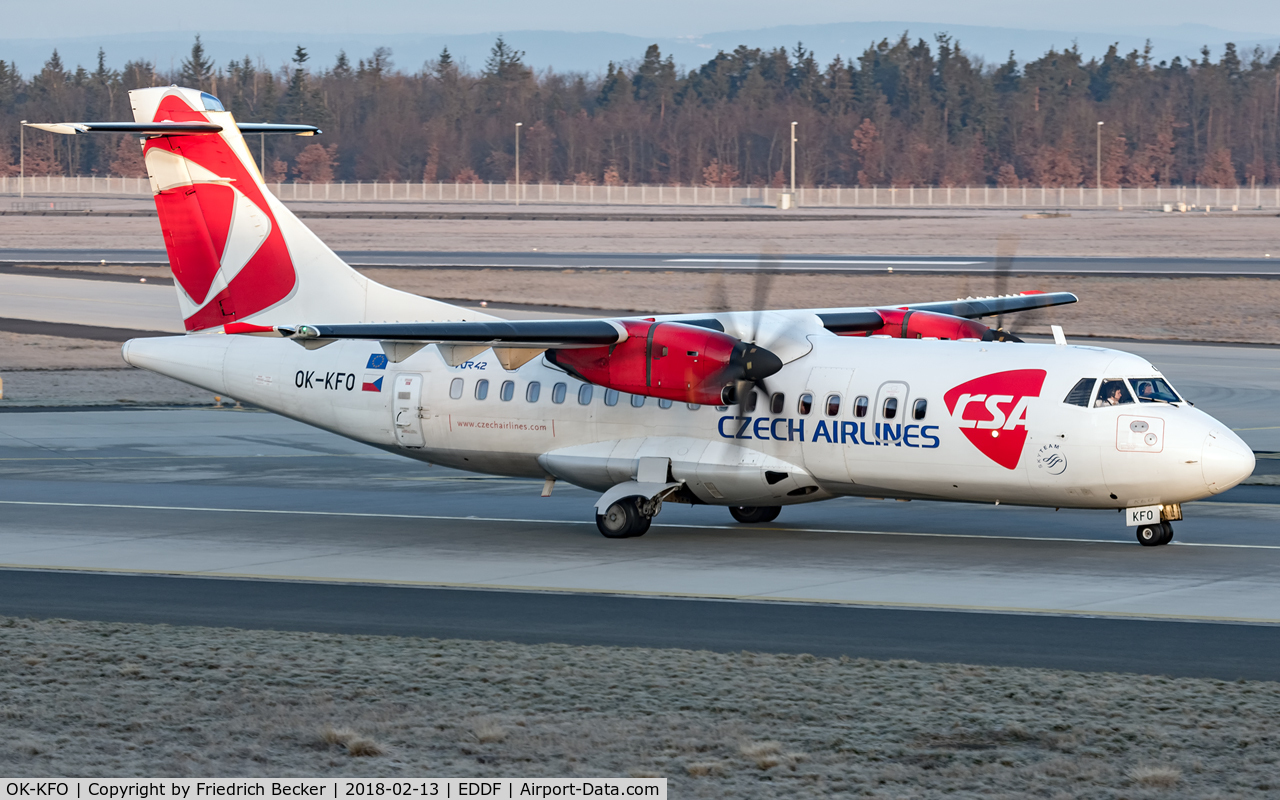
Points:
[372,383]
[376,361]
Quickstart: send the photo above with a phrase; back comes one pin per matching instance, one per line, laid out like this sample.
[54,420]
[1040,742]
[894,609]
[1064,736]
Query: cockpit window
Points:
[1113,393]
[211,103]
[1081,393]
[1153,390]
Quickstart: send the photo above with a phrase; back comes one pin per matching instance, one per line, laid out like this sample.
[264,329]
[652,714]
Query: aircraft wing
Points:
[977,307]
[559,333]
[581,333]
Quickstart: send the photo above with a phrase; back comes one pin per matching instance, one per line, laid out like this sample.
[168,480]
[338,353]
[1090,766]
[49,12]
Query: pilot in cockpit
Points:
[1113,393]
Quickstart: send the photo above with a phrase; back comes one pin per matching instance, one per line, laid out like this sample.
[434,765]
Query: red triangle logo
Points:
[991,412]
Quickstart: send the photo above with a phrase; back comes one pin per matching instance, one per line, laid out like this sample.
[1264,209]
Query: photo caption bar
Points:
[331,788]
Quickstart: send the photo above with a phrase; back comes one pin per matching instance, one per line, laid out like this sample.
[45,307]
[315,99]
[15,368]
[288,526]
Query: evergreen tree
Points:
[197,70]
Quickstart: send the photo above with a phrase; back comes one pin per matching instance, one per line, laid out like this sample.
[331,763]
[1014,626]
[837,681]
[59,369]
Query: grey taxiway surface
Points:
[852,263]
[222,517]
[242,518]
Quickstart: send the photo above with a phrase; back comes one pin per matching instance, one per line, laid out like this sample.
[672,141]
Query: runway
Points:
[854,263]
[98,505]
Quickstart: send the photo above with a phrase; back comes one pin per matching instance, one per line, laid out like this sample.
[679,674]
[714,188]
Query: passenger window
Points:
[749,406]
[833,405]
[1113,393]
[806,404]
[722,408]
[777,403]
[584,394]
[919,408]
[637,400]
[891,408]
[860,406]
[1081,393]
[558,392]
[455,388]
[507,391]
[531,393]
[482,389]
[610,397]
[693,406]
[664,403]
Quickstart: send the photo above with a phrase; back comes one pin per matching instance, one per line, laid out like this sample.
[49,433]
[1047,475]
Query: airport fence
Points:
[1027,197]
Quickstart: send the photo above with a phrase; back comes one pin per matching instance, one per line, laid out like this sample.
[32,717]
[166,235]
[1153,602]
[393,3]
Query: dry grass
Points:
[354,744]
[125,700]
[1158,777]
[962,232]
[488,731]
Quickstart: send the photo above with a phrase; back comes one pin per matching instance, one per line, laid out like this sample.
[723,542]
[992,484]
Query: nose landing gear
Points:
[750,514]
[1155,534]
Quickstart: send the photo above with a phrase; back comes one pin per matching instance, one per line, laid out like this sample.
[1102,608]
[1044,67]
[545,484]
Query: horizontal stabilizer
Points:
[168,128]
[140,128]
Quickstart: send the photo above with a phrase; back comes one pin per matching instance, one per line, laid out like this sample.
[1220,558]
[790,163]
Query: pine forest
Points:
[901,113]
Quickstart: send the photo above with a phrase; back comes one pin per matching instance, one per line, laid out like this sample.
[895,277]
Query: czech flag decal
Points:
[372,383]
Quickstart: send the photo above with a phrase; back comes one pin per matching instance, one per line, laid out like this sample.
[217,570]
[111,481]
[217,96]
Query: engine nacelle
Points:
[902,323]
[669,360]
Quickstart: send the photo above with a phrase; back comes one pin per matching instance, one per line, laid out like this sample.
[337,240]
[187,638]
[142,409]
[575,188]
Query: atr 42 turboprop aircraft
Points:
[751,410]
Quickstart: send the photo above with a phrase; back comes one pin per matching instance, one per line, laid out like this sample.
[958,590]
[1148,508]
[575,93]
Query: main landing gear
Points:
[753,514]
[1155,534]
[629,516]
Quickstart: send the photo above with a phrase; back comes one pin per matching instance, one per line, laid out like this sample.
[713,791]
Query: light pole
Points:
[1098,161]
[22,159]
[519,125]
[793,161]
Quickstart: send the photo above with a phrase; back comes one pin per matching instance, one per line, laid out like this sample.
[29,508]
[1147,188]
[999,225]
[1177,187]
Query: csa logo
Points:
[991,412]
[1051,460]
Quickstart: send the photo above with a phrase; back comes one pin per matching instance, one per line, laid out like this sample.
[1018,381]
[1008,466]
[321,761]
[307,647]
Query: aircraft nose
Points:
[1226,461]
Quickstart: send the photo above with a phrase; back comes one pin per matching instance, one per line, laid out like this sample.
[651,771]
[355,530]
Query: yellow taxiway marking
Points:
[659,595]
[447,518]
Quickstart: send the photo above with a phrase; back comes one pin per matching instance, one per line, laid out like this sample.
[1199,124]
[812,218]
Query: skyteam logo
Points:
[991,412]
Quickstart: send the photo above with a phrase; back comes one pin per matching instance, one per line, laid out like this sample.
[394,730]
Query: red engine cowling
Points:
[669,360]
[901,323]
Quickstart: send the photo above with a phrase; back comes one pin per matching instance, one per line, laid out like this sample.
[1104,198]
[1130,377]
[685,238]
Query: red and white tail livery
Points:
[237,253]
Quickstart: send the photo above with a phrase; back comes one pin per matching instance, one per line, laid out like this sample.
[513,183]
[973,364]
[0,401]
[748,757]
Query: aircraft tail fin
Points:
[237,253]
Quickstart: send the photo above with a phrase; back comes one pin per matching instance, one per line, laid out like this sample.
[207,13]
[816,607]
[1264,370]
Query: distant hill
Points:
[591,52]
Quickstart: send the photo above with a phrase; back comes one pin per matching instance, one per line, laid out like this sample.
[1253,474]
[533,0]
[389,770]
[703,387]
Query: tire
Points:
[1168,532]
[619,520]
[642,525]
[1150,535]
[753,514]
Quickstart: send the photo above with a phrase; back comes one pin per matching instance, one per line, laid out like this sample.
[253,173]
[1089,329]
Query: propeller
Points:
[751,362]
[1006,249]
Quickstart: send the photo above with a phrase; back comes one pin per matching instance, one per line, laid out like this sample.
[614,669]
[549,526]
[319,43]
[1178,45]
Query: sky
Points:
[652,18]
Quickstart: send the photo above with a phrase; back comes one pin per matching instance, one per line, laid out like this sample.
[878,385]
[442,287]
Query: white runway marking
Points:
[442,518]
[877,262]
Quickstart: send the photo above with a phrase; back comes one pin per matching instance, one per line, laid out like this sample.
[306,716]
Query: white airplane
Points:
[751,410]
